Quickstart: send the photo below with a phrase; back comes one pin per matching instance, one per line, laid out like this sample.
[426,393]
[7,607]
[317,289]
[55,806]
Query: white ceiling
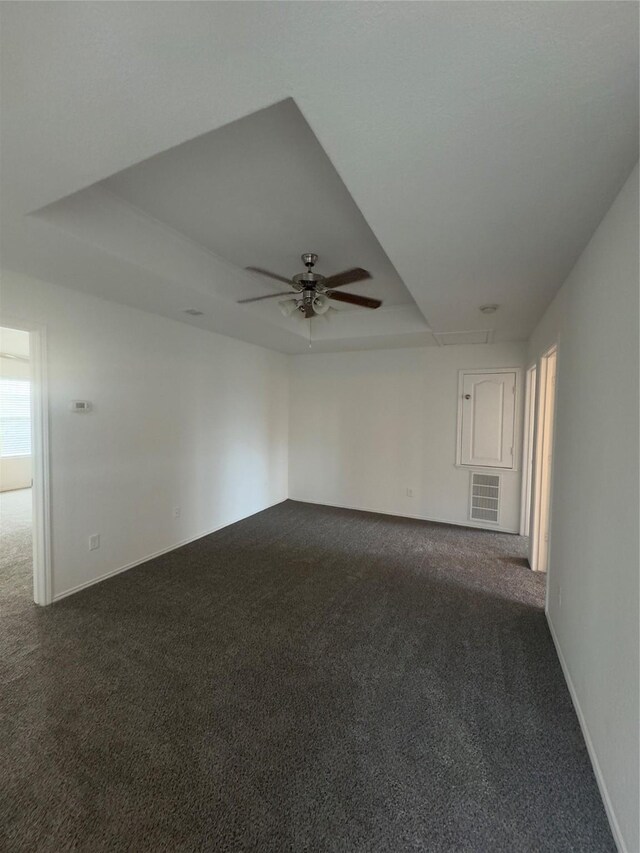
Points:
[260,191]
[477,146]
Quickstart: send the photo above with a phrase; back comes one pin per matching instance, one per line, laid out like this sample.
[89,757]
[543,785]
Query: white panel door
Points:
[488,419]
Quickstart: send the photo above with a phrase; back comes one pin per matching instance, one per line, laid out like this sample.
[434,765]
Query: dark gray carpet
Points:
[310,679]
[16,575]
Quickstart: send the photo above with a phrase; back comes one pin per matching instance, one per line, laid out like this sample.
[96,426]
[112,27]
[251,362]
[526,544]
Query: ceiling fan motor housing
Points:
[308,280]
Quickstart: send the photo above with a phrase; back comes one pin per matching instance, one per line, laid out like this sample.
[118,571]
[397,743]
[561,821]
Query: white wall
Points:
[366,426]
[595,507]
[181,417]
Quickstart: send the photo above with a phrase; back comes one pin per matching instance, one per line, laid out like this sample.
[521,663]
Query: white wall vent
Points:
[484,500]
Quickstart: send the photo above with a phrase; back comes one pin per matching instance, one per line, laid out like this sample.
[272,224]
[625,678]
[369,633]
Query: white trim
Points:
[41,494]
[539,438]
[526,485]
[517,419]
[492,528]
[42,575]
[602,785]
[59,596]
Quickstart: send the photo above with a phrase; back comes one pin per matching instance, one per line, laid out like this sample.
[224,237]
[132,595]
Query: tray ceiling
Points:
[466,151]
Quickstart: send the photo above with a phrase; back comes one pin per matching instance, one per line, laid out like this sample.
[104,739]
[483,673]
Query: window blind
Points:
[15,417]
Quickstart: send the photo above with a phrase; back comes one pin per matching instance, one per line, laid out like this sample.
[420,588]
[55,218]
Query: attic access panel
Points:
[487,418]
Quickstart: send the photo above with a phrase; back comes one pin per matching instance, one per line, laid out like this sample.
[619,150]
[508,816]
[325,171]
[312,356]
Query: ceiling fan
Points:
[313,291]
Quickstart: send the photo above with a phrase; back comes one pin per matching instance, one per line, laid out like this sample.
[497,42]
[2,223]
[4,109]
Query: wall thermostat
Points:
[81,406]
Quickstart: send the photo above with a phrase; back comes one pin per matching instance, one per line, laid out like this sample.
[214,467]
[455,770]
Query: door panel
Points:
[488,419]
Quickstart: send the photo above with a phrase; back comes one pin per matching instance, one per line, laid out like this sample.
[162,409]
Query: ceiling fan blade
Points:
[353,299]
[269,274]
[347,277]
[270,296]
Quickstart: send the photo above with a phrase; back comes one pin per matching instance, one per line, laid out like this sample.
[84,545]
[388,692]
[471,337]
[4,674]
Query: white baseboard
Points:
[604,793]
[493,528]
[67,592]
[59,596]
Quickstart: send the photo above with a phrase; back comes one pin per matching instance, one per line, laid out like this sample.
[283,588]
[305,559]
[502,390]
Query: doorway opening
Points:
[24,504]
[544,393]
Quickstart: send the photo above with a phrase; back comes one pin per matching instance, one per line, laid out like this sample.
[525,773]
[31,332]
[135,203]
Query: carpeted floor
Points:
[16,574]
[309,679]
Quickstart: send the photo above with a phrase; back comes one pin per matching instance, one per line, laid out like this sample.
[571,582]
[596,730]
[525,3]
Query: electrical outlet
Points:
[409,493]
[176,512]
[94,542]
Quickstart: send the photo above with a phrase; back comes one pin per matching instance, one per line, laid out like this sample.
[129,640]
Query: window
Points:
[15,417]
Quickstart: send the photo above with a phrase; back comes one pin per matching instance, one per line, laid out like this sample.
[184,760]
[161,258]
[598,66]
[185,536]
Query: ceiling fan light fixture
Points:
[287,307]
[321,304]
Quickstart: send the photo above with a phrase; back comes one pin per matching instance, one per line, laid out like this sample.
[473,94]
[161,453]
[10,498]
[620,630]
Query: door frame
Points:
[528,444]
[41,515]
[542,489]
